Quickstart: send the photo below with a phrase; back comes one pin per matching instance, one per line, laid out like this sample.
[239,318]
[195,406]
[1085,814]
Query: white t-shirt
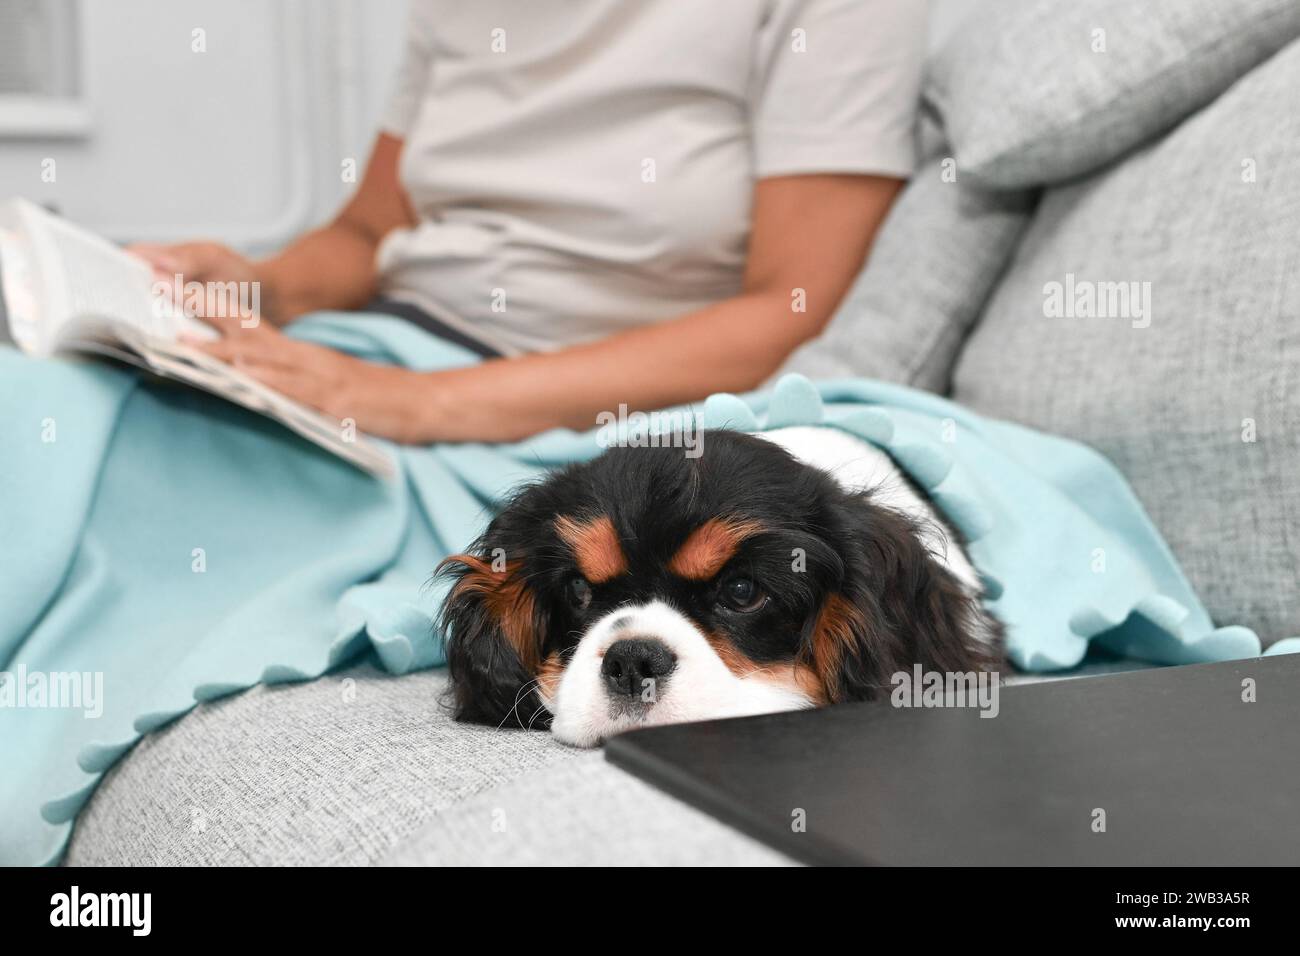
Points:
[579,167]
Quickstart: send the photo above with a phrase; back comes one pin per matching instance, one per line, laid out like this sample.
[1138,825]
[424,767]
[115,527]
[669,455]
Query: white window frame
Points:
[61,116]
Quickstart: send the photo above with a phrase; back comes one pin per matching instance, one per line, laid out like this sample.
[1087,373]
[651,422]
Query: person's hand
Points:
[382,400]
[208,262]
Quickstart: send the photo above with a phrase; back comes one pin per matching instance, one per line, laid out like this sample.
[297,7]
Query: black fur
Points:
[907,607]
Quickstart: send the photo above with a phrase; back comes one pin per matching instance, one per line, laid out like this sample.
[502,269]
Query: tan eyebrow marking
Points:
[710,546]
[595,547]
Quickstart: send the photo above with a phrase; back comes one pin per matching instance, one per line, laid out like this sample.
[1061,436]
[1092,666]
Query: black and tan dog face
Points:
[647,587]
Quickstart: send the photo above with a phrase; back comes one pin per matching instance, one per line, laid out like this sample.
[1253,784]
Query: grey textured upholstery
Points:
[936,258]
[584,811]
[1028,98]
[1171,403]
[332,771]
[345,769]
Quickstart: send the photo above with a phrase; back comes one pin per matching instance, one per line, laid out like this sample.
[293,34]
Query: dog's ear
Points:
[895,606]
[493,632]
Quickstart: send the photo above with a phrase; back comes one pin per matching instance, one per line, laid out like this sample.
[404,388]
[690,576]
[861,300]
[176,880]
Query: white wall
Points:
[243,142]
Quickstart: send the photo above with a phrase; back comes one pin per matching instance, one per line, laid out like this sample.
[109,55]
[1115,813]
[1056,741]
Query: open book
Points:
[68,290]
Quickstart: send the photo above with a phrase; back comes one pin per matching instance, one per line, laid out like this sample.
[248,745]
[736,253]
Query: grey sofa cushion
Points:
[580,812]
[1027,101]
[937,255]
[1209,217]
[343,770]
[334,771]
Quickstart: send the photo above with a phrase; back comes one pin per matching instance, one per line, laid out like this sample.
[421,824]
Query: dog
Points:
[792,569]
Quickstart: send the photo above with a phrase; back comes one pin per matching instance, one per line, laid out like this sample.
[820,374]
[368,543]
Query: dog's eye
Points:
[579,593]
[742,594]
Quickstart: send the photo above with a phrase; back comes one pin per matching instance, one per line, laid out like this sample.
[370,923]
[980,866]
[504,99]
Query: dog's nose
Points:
[631,662]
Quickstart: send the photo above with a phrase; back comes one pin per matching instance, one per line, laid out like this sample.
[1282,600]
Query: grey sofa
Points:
[1166,158]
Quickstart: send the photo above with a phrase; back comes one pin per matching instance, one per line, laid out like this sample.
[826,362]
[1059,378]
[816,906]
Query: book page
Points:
[89,286]
[18,306]
[23,286]
[101,284]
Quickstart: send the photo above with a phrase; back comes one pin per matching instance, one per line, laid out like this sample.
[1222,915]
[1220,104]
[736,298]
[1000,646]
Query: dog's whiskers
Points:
[535,715]
[523,691]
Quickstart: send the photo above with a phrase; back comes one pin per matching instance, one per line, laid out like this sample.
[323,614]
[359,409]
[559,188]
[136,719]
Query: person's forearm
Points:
[808,239]
[329,268]
[731,346]
[334,267]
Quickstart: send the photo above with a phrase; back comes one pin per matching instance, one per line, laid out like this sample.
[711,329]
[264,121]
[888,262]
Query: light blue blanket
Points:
[159,547]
